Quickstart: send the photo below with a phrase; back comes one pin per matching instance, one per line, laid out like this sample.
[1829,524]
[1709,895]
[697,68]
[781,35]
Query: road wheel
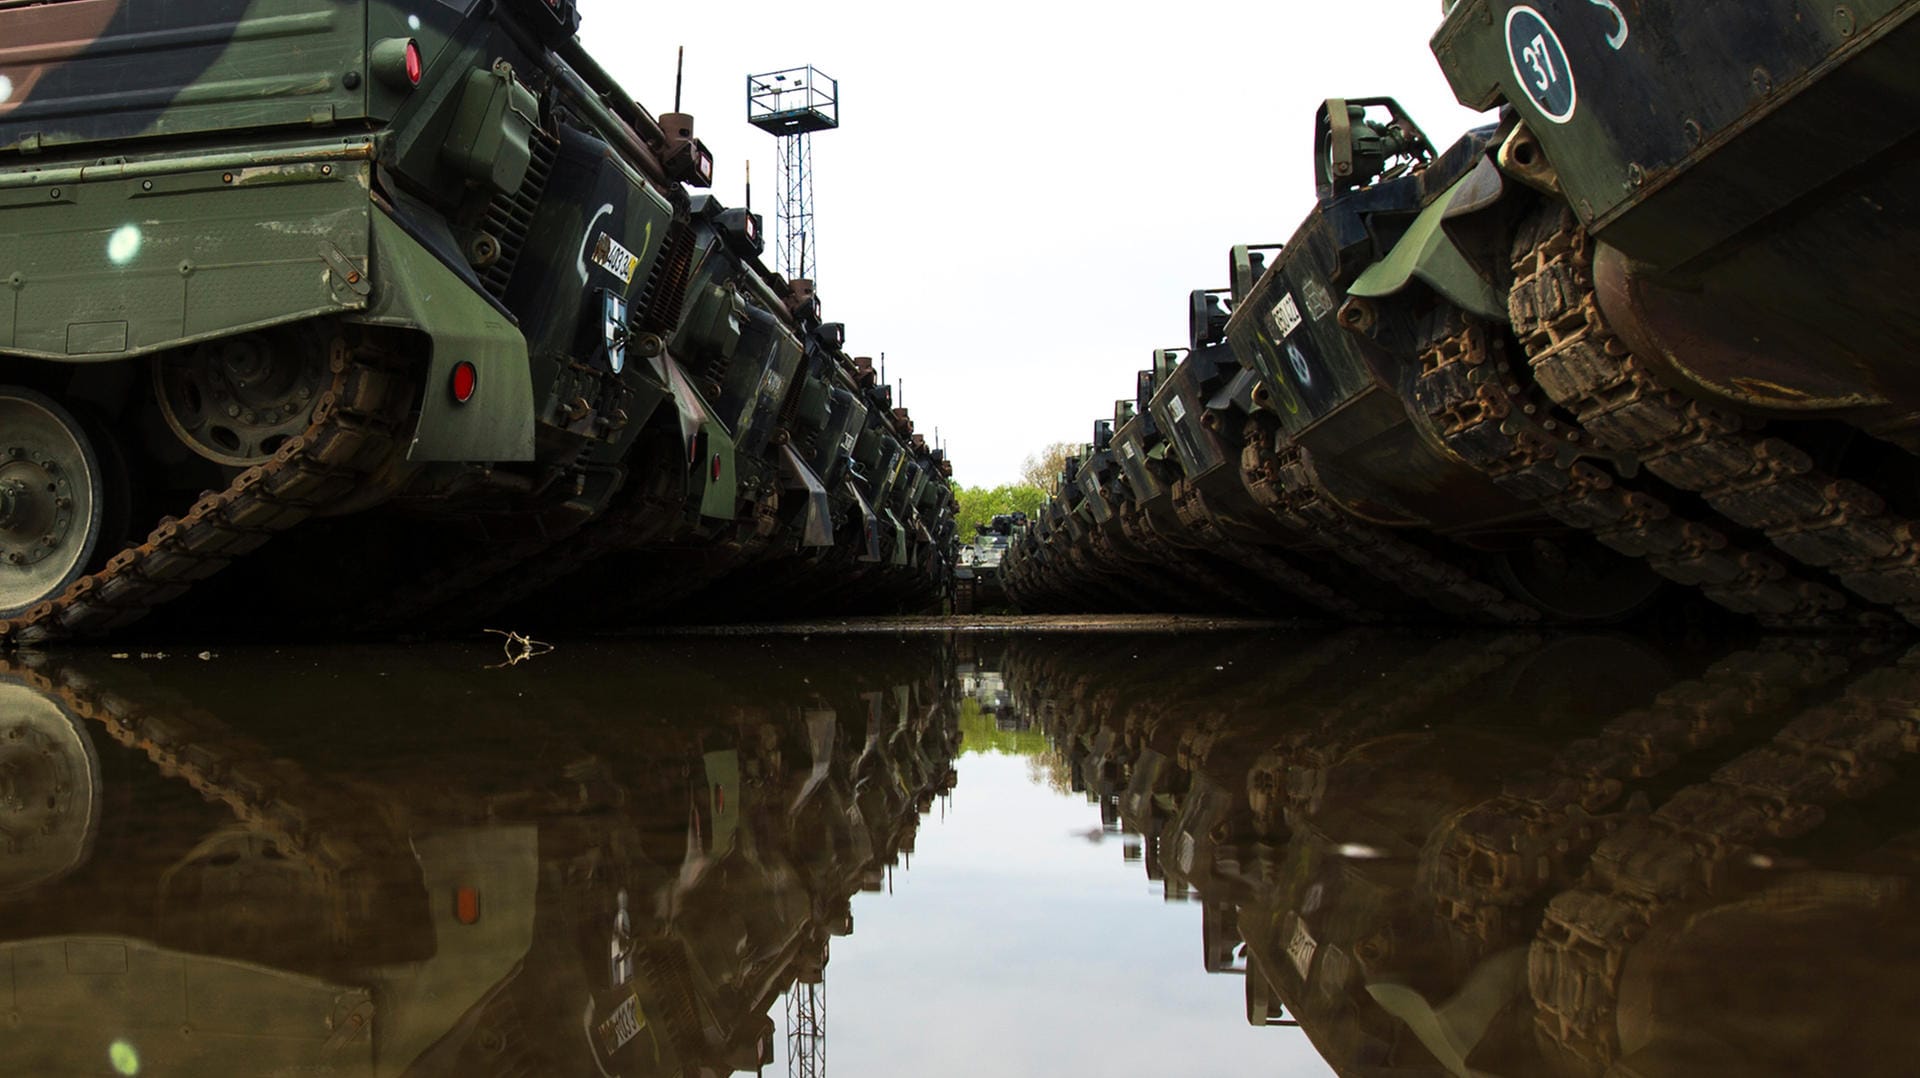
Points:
[53,498]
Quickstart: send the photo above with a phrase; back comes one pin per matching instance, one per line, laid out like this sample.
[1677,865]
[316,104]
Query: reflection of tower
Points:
[791,105]
[807,1029]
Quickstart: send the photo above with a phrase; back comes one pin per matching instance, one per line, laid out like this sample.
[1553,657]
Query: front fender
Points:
[1429,255]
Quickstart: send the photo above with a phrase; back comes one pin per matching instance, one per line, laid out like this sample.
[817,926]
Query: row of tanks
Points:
[1641,335]
[624,880]
[1591,858]
[424,281]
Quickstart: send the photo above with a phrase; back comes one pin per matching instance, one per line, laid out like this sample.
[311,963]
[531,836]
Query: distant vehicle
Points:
[977,582]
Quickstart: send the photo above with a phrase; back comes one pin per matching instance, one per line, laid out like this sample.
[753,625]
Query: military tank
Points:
[1608,340]
[439,281]
[1686,364]
[976,578]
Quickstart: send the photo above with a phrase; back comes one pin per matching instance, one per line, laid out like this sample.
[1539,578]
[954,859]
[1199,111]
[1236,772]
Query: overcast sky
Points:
[1022,193]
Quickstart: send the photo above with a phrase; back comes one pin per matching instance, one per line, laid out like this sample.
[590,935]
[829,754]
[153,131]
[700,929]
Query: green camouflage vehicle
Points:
[315,257]
[977,580]
[1696,222]
[311,257]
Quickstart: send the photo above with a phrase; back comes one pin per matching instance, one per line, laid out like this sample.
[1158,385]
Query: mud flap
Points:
[818,530]
[899,539]
[1428,254]
[1236,394]
[693,410]
[870,526]
[710,449]
[723,800]
[721,498]
[822,725]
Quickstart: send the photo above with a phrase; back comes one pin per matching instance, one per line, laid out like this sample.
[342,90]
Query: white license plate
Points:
[621,1026]
[1300,949]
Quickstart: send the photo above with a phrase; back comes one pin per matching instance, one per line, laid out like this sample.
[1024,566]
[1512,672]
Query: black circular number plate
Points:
[1540,64]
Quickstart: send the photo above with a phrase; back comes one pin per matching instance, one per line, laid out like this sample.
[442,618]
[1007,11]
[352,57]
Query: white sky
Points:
[1013,946]
[1022,193]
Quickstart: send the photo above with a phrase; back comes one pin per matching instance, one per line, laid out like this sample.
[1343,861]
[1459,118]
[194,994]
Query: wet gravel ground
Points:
[989,623]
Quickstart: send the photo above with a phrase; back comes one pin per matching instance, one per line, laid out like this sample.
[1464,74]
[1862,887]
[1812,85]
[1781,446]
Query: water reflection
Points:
[1522,856]
[353,863]
[1506,855]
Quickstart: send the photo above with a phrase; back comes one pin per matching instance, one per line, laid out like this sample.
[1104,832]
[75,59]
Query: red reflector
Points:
[716,466]
[719,799]
[466,380]
[466,905]
[415,68]
[693,450]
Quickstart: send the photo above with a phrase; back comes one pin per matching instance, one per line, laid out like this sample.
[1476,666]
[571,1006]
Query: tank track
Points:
[1494,419]
[1191,504]
[418,602]
[353,432]
[1281,477]
[1761,483]
[1488,863]
[1137,527]
[1655,866]
[523,569]
[1108,549]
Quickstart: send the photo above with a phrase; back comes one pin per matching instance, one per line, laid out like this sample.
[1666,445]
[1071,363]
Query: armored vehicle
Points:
[1572,860]
[1637,329]
[317,257]
[221,277]
[976,578]
[1699,259]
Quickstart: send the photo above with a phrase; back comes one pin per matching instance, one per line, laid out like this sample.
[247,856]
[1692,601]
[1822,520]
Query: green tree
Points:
[979,505]
[1042,469]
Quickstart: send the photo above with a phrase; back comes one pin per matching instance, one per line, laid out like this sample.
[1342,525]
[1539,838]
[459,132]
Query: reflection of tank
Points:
[637,901]
[1553,868]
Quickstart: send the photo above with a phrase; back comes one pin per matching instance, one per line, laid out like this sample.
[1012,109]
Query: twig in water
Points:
[519,648]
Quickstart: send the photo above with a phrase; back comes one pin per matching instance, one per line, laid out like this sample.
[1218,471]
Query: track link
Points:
[1280,476]
[1139,528]
[1191,504]
[353,432]
[1757,482]
[1490,416]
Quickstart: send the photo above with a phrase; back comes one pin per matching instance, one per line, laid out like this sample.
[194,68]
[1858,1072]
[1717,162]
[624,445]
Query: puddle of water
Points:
[1037,854]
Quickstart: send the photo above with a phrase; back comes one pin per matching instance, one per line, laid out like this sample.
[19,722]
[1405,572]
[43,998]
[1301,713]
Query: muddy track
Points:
[1280,475]
[1494,418]
[354,431]
[1762,483]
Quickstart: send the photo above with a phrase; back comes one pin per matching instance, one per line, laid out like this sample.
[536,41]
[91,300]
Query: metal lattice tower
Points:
[807,1030]
[791,105]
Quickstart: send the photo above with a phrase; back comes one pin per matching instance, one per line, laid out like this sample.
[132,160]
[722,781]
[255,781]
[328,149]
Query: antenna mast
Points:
[791,105]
